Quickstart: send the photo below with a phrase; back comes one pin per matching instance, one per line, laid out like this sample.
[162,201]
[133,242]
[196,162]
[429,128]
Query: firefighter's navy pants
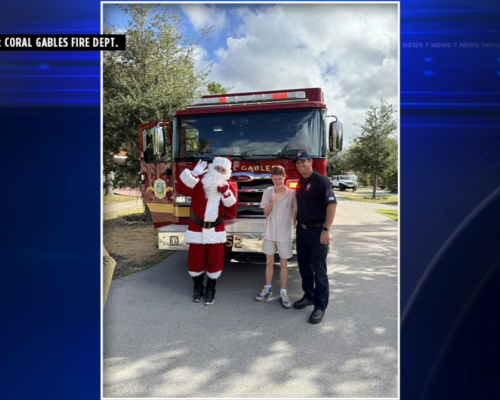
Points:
[311,256]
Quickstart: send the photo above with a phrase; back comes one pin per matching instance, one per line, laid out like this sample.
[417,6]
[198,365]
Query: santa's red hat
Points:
[222,162]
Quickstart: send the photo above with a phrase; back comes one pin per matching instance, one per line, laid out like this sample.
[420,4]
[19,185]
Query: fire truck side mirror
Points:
[336,135]
[158,141]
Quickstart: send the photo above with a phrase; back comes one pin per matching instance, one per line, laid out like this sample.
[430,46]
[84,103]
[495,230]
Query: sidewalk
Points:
[128,192]
[127,205]
[362,189]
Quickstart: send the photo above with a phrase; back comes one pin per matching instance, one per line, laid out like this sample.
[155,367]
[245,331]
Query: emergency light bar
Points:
[249,98]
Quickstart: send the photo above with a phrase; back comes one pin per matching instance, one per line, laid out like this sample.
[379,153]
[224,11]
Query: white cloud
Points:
[203,15]
[350,51]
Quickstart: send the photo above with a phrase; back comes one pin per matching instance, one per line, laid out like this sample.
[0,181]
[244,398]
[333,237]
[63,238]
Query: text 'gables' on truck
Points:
[257,131]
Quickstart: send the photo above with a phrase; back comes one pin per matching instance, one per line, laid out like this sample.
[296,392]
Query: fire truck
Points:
[256,131]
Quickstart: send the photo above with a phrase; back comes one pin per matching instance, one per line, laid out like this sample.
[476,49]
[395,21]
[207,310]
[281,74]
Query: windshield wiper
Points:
[279,156]
[245,158]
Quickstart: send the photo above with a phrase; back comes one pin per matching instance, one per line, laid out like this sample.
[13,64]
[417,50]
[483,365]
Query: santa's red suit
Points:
[210,195]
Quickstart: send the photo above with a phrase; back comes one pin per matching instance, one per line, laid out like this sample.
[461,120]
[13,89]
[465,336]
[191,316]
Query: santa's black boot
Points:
[198,288]
[209,297]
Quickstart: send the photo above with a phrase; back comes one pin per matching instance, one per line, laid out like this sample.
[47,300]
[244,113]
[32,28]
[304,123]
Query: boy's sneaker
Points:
[285,301]
[265,294]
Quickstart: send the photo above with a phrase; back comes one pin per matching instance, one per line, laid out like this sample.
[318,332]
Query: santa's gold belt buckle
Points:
[206,225]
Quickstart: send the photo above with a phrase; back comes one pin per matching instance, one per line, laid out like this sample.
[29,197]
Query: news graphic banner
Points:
[62,42]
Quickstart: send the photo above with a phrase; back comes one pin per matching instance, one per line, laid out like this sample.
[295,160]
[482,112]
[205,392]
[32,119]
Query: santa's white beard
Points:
[212,180]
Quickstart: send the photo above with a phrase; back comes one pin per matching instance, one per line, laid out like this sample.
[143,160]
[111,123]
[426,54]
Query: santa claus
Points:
[210,195]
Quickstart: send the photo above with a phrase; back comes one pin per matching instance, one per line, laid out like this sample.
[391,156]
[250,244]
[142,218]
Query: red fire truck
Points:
[257,131]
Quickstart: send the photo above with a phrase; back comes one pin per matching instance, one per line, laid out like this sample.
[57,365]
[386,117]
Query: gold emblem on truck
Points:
[160,188]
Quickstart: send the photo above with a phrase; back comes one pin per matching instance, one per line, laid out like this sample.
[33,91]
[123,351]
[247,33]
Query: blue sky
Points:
[223,27]
[349,50]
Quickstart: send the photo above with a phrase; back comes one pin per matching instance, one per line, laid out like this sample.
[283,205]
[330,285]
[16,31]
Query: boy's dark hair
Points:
[278,170]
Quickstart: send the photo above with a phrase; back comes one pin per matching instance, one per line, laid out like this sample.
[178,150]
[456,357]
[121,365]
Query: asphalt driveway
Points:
[157,343]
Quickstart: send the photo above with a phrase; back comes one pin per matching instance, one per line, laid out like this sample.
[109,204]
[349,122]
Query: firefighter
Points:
[206,236]
[316,206]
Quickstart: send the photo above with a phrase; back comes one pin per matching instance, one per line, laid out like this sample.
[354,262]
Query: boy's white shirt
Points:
[282,211]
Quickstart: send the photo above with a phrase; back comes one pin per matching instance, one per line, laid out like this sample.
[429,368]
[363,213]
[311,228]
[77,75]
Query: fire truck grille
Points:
[250,196]
[245,225]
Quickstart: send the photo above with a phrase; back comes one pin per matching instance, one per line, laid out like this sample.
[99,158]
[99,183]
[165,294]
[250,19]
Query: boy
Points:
[279,204]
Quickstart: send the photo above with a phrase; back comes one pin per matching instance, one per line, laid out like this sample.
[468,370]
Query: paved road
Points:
[157,343]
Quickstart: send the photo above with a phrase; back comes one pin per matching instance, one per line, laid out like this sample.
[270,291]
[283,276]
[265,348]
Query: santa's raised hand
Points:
[200,168]
[224,189]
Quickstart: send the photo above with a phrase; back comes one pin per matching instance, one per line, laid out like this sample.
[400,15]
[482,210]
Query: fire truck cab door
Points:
[157,185]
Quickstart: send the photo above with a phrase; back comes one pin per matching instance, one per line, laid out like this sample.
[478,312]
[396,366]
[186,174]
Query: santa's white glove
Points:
[200,168]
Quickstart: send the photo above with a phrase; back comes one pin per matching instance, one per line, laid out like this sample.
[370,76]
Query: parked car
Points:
[344,182]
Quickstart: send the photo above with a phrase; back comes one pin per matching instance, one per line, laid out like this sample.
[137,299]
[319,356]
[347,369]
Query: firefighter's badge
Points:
[160,188]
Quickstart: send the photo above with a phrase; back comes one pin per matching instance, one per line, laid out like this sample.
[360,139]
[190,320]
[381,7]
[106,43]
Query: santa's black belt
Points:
[206,224]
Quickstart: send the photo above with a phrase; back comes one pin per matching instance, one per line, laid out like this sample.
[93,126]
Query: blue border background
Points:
[450,203]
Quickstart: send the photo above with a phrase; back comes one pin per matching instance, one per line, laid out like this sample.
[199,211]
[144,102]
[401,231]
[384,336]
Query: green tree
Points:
[152,78]
[372,150]
[216,88]
[338,163]
[391,174]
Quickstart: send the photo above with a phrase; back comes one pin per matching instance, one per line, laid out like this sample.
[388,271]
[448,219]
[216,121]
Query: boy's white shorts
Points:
[284,249]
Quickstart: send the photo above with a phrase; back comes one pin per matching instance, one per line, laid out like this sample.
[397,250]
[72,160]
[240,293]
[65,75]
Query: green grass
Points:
[366,191]
[367,199]
[119,214]
[393,214]
[108,200]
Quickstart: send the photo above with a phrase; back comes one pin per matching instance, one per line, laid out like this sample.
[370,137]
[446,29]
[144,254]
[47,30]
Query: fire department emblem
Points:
[308,186]
[160,188]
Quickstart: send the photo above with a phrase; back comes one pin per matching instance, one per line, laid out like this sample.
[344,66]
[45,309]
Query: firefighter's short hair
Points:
[278,170]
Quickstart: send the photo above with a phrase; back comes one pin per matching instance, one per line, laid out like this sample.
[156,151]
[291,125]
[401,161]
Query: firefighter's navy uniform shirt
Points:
[313,196]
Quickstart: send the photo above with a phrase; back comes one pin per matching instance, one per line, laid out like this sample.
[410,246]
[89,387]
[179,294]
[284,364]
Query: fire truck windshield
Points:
[251,133]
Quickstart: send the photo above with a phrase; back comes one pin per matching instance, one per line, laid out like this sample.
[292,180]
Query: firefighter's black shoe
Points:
[209,297]
[302,303]
[316,316]
[198,288]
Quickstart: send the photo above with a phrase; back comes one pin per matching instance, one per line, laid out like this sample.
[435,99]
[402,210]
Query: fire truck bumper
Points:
[172,238]
[243,235]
